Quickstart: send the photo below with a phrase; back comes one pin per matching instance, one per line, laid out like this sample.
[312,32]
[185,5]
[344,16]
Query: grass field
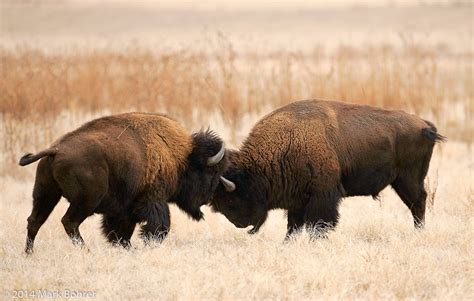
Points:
[374,253]
[50,85]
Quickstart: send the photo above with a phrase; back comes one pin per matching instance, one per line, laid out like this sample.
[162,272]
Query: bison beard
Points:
[126,167]
[306,156]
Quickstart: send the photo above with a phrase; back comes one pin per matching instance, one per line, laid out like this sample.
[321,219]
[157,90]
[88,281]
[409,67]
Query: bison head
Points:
[240,199]
[205,166]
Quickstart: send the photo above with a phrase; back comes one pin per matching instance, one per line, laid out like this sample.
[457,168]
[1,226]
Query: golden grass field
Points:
[375,252]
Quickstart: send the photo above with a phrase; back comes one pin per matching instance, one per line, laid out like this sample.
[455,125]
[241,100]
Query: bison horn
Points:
[229,185]
[217,157]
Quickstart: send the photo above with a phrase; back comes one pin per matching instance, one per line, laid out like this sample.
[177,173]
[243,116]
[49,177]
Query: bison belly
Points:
[369,180]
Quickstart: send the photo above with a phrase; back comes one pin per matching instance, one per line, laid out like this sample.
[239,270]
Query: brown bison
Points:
[125,167]
[306,156]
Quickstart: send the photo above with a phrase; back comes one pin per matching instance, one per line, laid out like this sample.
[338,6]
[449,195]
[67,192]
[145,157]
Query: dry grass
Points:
[375,253]
[37,87]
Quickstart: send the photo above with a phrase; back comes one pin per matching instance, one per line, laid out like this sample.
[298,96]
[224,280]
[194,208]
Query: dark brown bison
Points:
[306,156]
[126,167]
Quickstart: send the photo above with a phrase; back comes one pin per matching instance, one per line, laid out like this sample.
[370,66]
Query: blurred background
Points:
[250,25]
[226,63]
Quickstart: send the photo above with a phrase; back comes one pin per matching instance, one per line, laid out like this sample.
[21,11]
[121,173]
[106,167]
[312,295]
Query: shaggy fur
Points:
[306,156]
[126,167]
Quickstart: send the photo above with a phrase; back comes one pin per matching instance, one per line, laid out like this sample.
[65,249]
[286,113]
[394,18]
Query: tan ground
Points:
[418,58]
[375,253]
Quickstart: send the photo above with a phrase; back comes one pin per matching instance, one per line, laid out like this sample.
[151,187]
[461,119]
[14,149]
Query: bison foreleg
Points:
[295,223]
[157,218]
[322,214]
[118,230]
[194,212]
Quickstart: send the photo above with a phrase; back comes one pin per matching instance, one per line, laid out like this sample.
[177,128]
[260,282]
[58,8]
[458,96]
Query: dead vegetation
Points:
[45,94]
[36,87]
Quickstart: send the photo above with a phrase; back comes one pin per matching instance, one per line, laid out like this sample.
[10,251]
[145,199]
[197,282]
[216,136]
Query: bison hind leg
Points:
[413,194]
[118,230]
[157,218]
[46,195]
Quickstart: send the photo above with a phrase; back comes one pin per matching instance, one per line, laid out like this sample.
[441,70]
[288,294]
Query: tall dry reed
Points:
[36,87]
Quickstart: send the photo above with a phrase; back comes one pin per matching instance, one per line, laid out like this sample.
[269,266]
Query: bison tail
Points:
[30,158]
[432,134]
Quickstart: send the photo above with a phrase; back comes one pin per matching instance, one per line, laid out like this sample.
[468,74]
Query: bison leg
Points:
[84,186]
[413,194]
[295,223]
[46,195]
[73,218]
[117,230]
[157,218]
[322,213]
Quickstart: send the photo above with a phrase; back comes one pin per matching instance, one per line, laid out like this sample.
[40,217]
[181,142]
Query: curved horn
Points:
[229,185]
[217,157]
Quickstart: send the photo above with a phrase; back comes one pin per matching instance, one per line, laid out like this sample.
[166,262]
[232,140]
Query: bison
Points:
[306,156]
[125,167]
